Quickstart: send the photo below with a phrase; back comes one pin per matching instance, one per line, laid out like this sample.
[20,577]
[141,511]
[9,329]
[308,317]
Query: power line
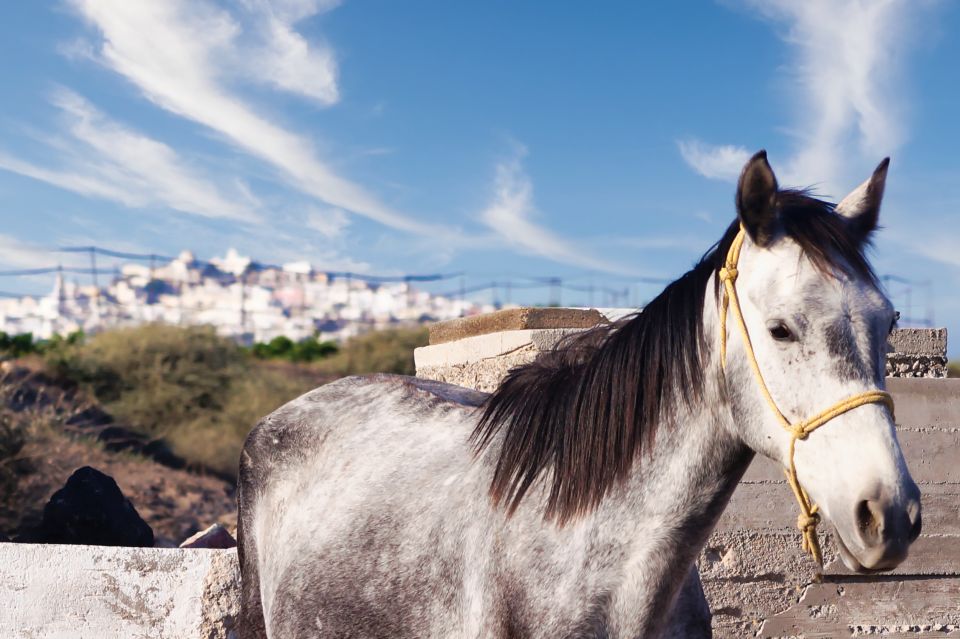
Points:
[46,270]
[111,253]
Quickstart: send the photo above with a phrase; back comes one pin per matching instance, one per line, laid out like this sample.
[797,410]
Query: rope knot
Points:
[808,523]
[729,272]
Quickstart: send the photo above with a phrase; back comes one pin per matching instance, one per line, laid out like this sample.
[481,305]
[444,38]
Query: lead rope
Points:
[809,513]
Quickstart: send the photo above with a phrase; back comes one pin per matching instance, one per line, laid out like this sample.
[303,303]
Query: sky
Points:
[597,143]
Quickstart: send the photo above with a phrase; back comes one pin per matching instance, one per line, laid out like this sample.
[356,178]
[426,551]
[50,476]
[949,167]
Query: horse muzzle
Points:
[884,526]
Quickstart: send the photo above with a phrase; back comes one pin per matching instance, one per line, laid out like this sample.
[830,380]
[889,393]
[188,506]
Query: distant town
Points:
[240,297]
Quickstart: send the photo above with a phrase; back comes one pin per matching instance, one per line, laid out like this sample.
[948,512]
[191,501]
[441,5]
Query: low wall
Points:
[55,591]
[756,579]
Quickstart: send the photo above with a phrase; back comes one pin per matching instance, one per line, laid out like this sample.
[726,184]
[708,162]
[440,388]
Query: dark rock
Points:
[3,538]
[90,509]
[216,536]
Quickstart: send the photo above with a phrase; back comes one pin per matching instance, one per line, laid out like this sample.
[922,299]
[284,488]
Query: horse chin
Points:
[850,561]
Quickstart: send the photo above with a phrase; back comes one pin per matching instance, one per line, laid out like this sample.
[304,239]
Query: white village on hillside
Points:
[241,298]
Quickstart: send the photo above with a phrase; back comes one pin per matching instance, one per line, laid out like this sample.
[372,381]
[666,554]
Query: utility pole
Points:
[96,283]
[555,284]
[243,304]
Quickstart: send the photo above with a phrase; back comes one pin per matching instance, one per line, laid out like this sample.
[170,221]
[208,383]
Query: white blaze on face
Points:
[837,334]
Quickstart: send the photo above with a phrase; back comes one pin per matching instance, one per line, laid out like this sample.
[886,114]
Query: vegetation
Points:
[194,391]
[953,369]
[389,351]
[307,350]
[14,346]
[12,440]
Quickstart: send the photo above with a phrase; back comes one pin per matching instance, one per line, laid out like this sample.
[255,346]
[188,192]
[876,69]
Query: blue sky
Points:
[598,143]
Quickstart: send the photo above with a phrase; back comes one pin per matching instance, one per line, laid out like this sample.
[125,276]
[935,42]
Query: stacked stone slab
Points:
[756,579]
[917,353]
[52,591]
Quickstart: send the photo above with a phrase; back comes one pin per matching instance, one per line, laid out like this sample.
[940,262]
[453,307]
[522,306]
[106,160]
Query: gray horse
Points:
[572,502]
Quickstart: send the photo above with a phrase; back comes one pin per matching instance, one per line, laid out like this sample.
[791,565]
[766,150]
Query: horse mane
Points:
[588,407]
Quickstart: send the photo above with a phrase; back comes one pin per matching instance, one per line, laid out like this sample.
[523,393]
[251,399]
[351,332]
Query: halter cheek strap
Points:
[809,516]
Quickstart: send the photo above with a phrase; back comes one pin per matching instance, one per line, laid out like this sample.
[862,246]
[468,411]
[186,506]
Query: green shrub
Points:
[953,369]
[307,350]
[14,346]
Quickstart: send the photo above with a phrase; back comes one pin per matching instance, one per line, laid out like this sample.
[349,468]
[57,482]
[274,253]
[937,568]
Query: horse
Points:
[574,499]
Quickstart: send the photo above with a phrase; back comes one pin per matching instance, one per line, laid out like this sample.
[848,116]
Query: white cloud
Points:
[722,162]
[846,70]
[174,51]
[110,161]
[20,254]
[288,62]
[82,184]
[329,222]
[510,214]
[844,74]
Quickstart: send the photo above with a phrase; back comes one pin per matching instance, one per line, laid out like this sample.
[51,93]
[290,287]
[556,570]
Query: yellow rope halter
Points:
[809,516]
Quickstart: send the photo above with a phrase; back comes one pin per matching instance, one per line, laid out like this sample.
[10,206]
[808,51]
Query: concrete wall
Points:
[756,579]
[96,592]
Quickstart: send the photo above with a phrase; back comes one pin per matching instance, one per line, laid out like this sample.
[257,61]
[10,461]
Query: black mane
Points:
[586,409]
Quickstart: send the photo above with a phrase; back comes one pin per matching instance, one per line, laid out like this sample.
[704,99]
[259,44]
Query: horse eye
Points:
[780,332]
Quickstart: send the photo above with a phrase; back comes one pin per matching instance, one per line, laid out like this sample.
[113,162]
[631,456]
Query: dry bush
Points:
[196,391]
[155,377]
[387,351]
[213,439]
[200,393]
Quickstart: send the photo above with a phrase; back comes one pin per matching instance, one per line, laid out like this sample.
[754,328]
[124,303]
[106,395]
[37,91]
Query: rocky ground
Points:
[65,430]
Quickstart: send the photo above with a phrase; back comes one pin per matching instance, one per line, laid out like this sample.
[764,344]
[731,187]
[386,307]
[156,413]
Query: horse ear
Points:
[862,206]
[757,199]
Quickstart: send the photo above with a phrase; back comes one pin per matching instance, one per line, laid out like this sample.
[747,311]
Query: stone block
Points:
[53,591]
[513,319]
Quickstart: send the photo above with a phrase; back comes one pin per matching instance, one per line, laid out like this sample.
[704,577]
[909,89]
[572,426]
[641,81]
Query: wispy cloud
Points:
[722,162]
[82,184]
[329,222]
[17,253]
[180,55]
[110,161]
[284,59]
[846,67]
[844,71]
[511,214]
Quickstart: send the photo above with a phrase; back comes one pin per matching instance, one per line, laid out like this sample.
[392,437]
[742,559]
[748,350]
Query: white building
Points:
[240,298]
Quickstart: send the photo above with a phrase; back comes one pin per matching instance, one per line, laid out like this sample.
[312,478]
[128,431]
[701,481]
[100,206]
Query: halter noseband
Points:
[809,516]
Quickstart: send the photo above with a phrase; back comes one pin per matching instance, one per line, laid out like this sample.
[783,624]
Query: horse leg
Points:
[251,623]
[690,617]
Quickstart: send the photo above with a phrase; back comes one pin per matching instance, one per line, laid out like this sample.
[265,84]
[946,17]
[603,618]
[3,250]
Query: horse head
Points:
[804,364]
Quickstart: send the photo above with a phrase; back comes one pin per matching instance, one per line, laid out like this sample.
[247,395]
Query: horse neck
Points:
[676,493]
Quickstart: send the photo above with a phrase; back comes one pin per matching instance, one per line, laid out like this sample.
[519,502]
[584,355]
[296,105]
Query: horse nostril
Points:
[916,520]
[870,521]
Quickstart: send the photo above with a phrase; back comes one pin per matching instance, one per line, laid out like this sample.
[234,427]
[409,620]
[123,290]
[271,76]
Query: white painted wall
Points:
[99,592]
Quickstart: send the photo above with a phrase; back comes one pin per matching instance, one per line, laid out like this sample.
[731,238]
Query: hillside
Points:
[162,410]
